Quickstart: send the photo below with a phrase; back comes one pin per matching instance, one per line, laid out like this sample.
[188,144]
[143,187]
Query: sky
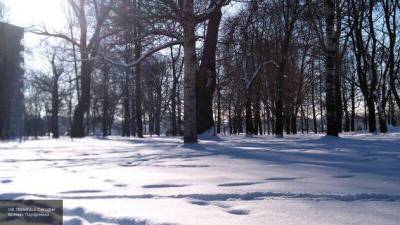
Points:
[28,13]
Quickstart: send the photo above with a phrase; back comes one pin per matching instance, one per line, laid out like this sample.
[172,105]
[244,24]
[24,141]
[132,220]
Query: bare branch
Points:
[144,56]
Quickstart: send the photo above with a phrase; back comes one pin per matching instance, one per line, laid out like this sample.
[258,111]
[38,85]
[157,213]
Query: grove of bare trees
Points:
[187,67]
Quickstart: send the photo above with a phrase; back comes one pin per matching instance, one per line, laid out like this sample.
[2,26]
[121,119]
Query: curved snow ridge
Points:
[229,197]
[307,196]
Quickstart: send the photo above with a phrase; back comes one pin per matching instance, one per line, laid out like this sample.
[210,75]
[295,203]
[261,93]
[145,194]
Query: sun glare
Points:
[30,13]
[26,13]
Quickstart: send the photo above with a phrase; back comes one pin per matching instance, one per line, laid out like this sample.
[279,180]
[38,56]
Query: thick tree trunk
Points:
[54,110]
[249,118]
[382,123]
[78,128]
[330,46]
[105,117]
[206,75]
[174,129]
[138,70]
[190,131]
[126,131]
[55,99]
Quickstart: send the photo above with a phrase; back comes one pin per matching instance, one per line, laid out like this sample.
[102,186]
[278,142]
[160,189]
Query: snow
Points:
[300,179]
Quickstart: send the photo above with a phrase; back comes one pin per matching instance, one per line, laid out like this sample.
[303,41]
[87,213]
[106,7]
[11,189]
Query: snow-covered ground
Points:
[298,180]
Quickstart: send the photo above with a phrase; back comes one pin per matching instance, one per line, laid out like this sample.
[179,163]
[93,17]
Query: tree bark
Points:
[330,47]
[105,117]
[190,131]
[206,75]
[138,70]
[249,118]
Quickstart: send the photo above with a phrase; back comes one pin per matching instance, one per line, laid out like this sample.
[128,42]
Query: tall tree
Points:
[330,49]
[88,44]
[206,74]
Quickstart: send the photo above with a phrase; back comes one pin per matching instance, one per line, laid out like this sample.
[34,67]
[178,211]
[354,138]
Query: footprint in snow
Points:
[343,176]
[238,184]
[6,181]
[80,191]
[281,178]
[205,203]
[238,211]
[164,185]
[198,202]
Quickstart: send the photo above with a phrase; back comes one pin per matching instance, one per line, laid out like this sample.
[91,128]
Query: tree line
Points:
[185,67]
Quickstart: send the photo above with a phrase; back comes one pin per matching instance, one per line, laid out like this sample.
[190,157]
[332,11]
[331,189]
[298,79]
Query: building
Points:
[11,81]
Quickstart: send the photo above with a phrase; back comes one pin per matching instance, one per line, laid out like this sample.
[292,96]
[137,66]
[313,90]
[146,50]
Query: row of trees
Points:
[175,67]
[289,63]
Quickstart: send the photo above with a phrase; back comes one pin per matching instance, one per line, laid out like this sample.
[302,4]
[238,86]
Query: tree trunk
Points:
[338,91]
[78,128]
[249,118]
[313,105]
[331,113]
[321,105]
[173,109]
[190,131]
[230,118]
[206,75]
[279,104]
[150,102]
[371,115]
[392,111]
[179,111]
[127,114]
[257,118]
[174,93]
[105,117]
[55,102]
[353,103]
[218,111]
[157,112]
[138,70]
[293,121]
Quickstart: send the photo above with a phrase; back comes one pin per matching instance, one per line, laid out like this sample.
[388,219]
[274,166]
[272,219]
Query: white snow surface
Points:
[228,180]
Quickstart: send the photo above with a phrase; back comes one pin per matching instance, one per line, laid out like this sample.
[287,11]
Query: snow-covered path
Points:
[229,180]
